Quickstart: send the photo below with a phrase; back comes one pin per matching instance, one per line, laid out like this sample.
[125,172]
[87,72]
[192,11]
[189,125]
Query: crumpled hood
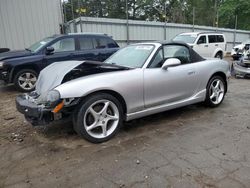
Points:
[55,74]
[14,54]
[52,75]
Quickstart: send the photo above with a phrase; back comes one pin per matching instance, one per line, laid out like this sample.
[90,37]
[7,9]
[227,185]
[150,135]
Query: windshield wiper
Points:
[115,66]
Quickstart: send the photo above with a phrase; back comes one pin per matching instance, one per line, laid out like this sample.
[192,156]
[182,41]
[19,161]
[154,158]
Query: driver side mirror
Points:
[171,62]
[49,50]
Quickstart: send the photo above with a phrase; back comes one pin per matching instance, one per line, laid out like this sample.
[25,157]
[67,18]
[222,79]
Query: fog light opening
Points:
[58,107]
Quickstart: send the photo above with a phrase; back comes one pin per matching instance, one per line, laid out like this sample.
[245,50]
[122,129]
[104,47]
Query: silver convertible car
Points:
[138,80]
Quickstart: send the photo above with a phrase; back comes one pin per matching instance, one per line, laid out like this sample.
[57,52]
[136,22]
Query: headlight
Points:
[1,64]
[53,96]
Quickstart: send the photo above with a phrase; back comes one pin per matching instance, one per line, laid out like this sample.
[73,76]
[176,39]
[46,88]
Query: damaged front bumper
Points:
[34,113]
[240,71]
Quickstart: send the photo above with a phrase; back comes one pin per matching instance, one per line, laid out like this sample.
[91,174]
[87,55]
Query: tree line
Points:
[221,13]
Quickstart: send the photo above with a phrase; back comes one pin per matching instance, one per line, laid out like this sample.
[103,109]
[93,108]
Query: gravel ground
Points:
[191,147]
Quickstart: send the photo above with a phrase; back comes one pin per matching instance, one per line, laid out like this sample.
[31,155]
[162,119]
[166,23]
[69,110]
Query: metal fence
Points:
[23,23]
[138,31]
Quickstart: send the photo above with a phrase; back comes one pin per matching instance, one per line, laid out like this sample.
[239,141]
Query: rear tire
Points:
[215,94]
[25,80]
[219,55]
[98,118]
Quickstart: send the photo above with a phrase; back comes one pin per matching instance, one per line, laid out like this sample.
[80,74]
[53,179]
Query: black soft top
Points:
[195,57]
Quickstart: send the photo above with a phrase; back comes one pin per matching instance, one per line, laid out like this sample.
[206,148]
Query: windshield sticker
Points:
[144,47]
[42,42]
[194,36]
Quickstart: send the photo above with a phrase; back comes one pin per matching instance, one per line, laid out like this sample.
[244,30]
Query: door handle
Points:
[191,72]
[205,45]
[216,44]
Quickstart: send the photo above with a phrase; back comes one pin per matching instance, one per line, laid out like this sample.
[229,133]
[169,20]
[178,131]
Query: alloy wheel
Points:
[27,80]
[216,91]
[101,119]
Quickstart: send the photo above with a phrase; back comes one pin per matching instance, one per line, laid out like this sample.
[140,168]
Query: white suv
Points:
[207,44]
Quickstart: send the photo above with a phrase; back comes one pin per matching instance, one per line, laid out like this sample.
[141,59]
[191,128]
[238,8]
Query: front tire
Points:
[216,88]
[98,118]
[25,80]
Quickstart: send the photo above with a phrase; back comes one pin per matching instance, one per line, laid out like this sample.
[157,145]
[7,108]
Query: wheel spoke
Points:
[94,113]
[213,88]
[104,130]
[105,107]
[92,126]
[110,117]
[217,99]
[212,96]
[27,75]
[23,84]
[21,78]
[217,84]
[221,90]
[30,85]
[33,79]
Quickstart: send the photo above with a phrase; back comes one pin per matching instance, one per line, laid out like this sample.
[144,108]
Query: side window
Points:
[100,43]
[111,43]
[212,38]
[85,43]
[177,51]
[158,60]
[67,44]
[202,40]
[220,38]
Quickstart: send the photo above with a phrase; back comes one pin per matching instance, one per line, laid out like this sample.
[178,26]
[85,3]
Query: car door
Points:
[201,46]
[213,45]
[172,85]
[64,50]
[85,49]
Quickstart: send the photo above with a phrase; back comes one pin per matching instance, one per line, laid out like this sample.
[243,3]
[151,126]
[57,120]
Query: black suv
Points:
[22,67]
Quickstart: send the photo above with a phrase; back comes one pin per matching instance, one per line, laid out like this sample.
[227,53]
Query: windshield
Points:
[38,45]
[185,38]
[133,56]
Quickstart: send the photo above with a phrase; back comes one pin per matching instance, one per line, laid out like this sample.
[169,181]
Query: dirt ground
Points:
[194,146]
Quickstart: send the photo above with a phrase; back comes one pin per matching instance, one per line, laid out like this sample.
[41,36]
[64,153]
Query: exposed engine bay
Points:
[89,68]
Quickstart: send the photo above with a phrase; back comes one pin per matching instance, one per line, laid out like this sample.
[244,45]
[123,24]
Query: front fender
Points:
[15,64]
[128,83]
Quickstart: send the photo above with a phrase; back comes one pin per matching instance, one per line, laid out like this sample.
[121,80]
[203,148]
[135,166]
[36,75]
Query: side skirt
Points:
[199,97]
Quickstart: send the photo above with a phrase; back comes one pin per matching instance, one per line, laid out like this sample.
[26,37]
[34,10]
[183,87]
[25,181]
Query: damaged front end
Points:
[241,68]
[45,104]
[41,113]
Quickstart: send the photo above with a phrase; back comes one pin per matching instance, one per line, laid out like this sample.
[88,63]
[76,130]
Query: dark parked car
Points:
[23,67]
